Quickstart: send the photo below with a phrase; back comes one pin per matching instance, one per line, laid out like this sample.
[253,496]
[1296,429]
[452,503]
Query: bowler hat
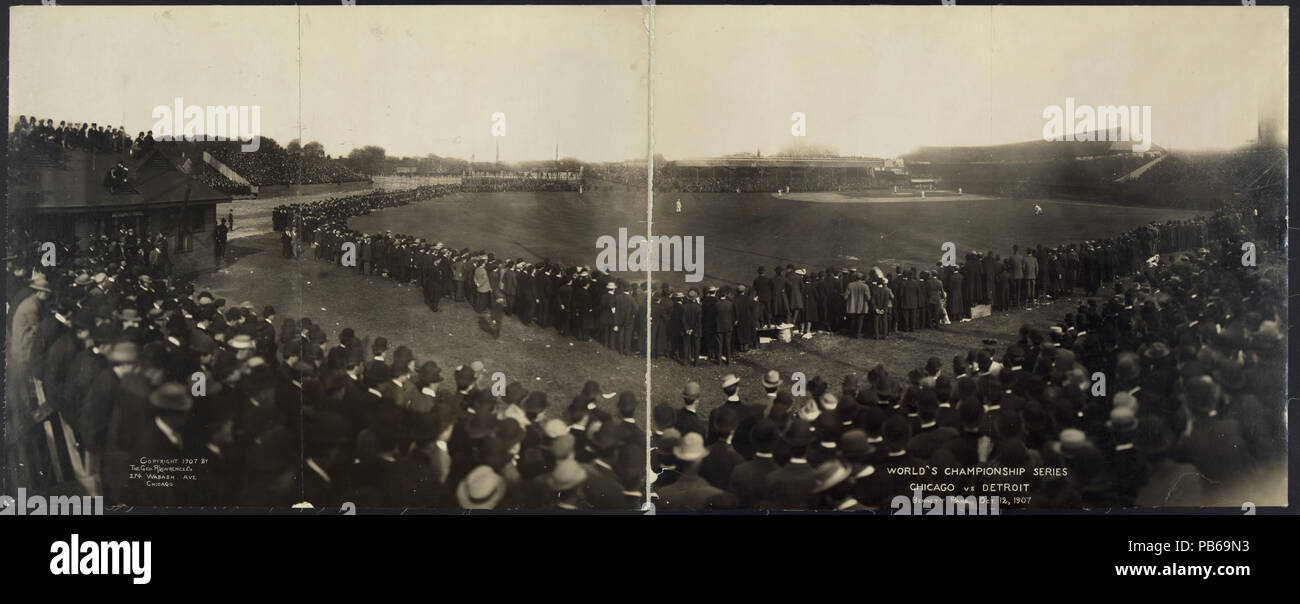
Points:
[568,474]
[829,474]
[691,448]
[1072,442]
[40,284]
[482,489]
[627,404]
[799,433]
[855,445]
[535,402]
[123,352]
[772,379]
[725,420]
[664,416]
[1122,419]
[171,397]
[509,432]
[764,435]
[896,432]
[430,373]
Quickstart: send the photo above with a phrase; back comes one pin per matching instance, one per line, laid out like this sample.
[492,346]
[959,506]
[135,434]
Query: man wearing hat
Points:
[688,418]
[930,436]
[731,389]
[692,326]
[747,316]
[388,478]
[627,407]
[101,398]
[689,492]
[708,322]
[59,358]
[565,482]
[325,434]
[1215,442]
[425,394]
[833,487]
[857,303]
[606,315]
[722,457]
[56,321]
[171,404]
[1129,464]
[749,479]
[765,290]
[482,489]
[603,488]
[790,487]
[22,346]
[897,433]
[86,365]
[724,325]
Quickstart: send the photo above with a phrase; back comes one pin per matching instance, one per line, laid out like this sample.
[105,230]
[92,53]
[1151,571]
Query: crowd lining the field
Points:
[1192,354]
[1028,410]
[1192,349]
[577,301]
[113,344]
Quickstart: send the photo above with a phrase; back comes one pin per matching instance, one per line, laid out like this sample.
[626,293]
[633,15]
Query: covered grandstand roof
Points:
[76,182]
[1026,151]
[781,162]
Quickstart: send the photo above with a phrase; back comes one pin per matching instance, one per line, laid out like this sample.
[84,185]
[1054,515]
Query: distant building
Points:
[753,173]
[72,198]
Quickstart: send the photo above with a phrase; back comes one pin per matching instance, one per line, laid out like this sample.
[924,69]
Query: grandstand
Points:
[1098,171]
[771,173]
[267,170]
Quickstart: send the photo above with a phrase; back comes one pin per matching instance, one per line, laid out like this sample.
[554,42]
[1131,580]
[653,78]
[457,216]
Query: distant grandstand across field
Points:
[225,167]
[1100,171]
[749,174]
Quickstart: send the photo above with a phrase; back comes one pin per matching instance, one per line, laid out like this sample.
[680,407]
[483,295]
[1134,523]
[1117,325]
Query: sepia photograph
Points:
[626,259]
[970,259]
[326,256]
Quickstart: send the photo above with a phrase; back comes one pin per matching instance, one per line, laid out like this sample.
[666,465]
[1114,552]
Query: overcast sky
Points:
[413,80]
[876,81]
[880,81]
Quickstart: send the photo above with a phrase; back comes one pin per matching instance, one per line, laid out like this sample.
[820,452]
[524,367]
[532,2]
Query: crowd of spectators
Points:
[492,185]
[1066,173]
[716,322]
[1191,403]
[1239,168]
[259,410]
[32,136]
[211,177]
[272,165]
[687,181]
[615,176]
[576,301]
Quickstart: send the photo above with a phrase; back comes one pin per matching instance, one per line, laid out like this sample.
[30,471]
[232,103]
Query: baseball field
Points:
[740,231]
